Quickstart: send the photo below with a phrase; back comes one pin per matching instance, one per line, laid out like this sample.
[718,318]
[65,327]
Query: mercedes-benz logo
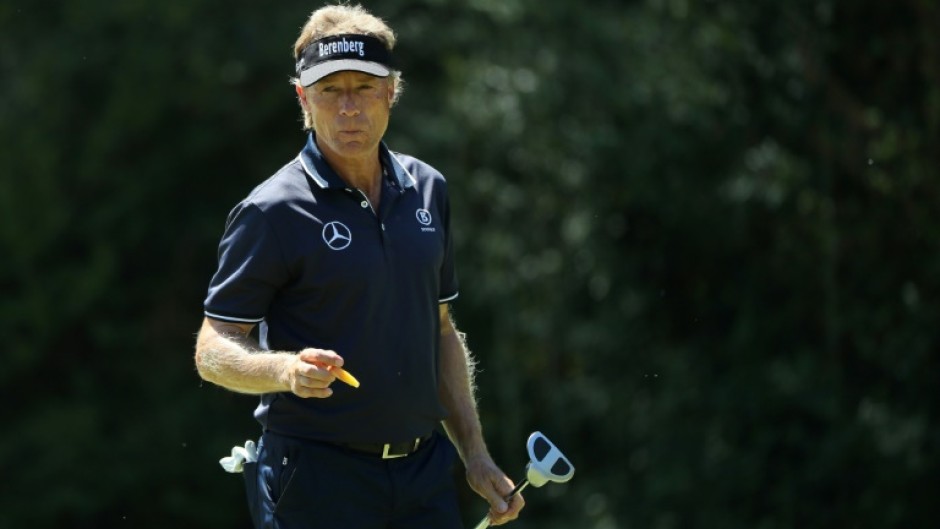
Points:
[336,235]
[423,216]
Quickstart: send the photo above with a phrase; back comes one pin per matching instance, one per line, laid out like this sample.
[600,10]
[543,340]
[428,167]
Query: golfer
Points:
[344,259]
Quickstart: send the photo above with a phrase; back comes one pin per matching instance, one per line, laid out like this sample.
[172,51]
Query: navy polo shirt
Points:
[314,264]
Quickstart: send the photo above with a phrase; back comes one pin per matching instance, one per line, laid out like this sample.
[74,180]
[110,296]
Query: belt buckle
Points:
[387,446]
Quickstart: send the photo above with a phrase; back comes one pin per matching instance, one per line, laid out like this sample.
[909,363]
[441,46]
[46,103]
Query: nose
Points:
[348,105]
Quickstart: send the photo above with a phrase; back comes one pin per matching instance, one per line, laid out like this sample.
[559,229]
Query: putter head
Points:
[546,462]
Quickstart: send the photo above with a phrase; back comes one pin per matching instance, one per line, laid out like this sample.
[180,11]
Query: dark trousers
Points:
[300,484]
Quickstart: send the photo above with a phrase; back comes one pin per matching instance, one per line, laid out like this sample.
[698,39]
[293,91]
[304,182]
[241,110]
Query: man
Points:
[344,259]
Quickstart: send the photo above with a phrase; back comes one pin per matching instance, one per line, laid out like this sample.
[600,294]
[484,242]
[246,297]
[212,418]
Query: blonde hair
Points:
[343,19]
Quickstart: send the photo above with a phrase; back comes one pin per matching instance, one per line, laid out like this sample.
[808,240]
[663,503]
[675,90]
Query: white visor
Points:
[321,70]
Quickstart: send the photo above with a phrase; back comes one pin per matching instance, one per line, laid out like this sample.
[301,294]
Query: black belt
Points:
[389,450]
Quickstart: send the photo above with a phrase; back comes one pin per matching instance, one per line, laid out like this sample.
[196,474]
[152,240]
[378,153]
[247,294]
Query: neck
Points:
[363,173]
[360,174]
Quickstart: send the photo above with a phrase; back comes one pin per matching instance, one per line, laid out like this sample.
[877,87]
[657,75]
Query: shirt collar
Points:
[319,170]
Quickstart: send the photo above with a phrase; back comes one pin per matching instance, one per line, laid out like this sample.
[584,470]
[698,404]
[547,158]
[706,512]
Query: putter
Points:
[546,463]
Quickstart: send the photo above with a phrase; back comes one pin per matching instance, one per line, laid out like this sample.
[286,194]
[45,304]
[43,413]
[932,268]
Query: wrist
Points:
[471,448]
[477,458]
[281,364]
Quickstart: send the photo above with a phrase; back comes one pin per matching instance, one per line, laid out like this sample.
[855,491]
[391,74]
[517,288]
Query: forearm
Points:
[457,393]
[227,356]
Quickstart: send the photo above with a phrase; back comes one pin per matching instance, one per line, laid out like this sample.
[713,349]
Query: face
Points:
[350,112]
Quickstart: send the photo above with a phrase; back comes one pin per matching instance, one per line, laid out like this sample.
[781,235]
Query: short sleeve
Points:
[449,288]
[251,268]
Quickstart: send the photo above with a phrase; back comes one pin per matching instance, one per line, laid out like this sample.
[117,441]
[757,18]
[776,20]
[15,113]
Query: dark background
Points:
[697,244]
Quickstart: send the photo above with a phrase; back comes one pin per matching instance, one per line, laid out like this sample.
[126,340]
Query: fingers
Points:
[322,357]
[492,484]
[308,374]
[516,503]
[496,494]
[506,509]
[311,386]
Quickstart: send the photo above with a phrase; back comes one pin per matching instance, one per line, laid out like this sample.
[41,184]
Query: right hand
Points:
[307,373]
[487,480]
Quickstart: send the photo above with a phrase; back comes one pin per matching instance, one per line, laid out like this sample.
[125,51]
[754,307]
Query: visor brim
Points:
[319,71]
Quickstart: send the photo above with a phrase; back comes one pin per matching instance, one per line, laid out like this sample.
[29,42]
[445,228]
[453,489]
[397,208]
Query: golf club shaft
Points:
[485,522]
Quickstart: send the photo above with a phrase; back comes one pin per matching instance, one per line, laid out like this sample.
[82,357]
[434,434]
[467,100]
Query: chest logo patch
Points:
[336,235]
[423,216]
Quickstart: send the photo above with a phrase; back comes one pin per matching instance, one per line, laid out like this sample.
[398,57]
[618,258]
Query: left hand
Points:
[487,480]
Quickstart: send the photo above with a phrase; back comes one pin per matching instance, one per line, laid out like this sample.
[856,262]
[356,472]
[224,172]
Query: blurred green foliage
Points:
[697,241]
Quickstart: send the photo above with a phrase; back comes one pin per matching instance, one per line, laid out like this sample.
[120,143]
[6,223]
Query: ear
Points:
[301,95]
[391,84]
